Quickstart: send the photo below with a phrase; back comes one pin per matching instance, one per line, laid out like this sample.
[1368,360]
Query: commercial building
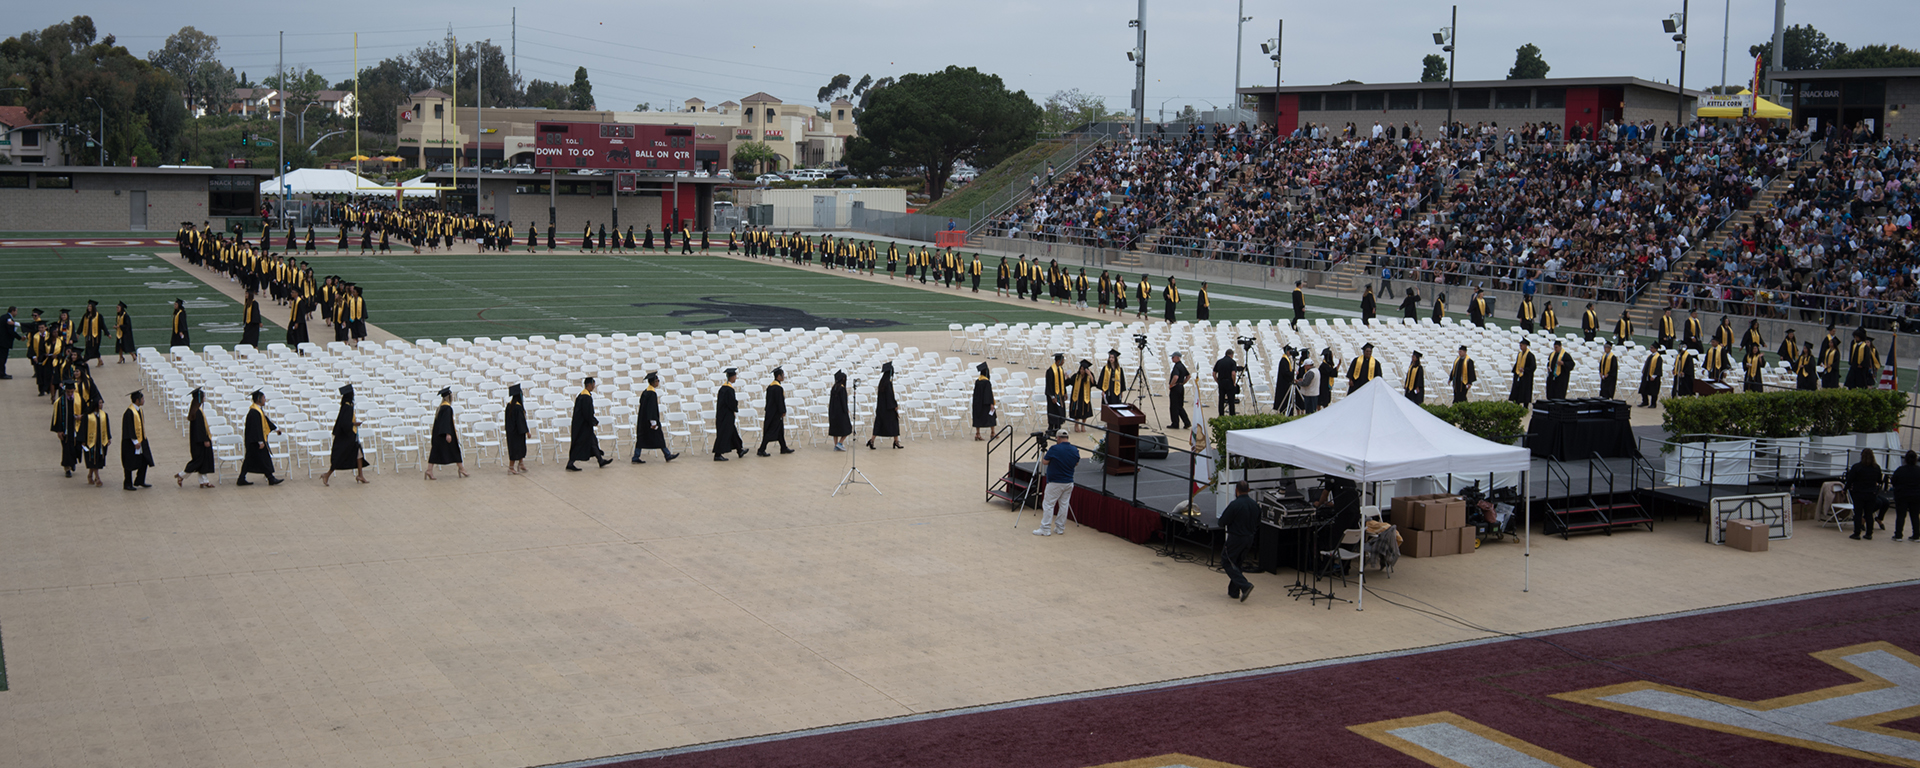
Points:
[580,201]
[434,131]
[1880,100]
[89,198]
[1566,101]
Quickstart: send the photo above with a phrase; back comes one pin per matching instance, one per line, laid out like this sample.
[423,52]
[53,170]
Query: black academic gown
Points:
[123,335]
[886,414]
[983,412]
[651,433]
[259,459]
[346,453]
[726,434]
[135,452]
[1522,392]
[1283,383]
[773,417]
[585,445]
[1410,306]
[516,435]
[1609,375]
[446,440]
[199,452]
[181,337]
[839,418]
[1558,377]
[1299,305]
[250,324]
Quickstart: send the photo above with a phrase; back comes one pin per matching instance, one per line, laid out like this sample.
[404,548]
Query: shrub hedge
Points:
[1787,413]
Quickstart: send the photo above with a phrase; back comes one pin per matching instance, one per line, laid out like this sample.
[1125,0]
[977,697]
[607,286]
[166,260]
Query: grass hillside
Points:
[1018,168]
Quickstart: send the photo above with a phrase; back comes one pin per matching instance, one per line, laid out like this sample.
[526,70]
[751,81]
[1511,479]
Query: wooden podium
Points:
[1123,442]
[1703,387]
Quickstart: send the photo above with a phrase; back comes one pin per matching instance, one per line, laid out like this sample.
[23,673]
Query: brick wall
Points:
[1902,92]
[65,210]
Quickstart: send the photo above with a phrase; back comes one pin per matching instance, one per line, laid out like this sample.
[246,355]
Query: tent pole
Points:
[1526,494]
[1360,599]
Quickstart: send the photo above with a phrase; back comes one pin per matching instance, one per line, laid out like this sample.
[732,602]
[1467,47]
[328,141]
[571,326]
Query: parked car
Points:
[521,169]
[839,173]
[724,173]
[701,174]
[769,178]
[443,168]
[591,172]
[807,174]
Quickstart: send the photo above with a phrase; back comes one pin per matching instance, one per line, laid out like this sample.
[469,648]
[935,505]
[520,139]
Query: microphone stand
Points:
[854,475]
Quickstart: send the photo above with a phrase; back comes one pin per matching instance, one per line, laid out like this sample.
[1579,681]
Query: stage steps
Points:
[1599,513]
[1017,487]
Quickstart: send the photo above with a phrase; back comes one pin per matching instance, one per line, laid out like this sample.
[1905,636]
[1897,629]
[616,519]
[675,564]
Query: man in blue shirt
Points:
[1058,464]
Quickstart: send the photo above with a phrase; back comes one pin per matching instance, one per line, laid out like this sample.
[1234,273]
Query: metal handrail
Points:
[1076,150]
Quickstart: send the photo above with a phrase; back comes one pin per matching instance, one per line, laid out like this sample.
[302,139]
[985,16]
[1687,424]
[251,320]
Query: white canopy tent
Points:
[1377,434]
[324,181]
[419,186]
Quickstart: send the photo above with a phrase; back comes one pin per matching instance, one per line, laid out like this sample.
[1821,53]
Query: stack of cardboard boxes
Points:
[1432,526]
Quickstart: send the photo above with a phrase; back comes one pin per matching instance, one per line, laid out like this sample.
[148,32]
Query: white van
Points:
[807,174]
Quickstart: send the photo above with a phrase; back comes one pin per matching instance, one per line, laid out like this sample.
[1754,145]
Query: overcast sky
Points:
[660,52]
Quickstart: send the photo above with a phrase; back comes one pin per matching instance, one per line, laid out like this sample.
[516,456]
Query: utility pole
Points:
[1680,96]
[479,120]
[1779,45]
[1140,74]
[514,41]
[281,144]
[1725,23]
[1239,32]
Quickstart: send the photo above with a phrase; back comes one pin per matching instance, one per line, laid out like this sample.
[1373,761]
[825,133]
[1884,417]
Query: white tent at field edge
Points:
[1377,434]
[324,181]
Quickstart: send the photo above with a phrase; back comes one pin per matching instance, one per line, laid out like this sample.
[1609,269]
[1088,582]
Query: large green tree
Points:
[753,157]
[580,94]
[193,58]
[65,64]
[1433,69]
[1070,109]
[1874,57]
[1806,48]
[930,122]
[1527,64]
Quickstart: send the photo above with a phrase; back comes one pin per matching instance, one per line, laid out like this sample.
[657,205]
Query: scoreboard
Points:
[613,146]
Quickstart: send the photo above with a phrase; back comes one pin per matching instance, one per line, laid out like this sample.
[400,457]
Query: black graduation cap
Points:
[178,301]
[839,377]
[123,305]
[1059,356]
[778,371]
[513,391]
[135,395]
[92,303]
[1113,353]
[982,368]
[731,372]
[256,394]
[588,382]
[651,377]
[198,395]
[37,311]
[1416,354]
[1368,345]
[446,391]
[1463,348]
[887,367]
[1085,363]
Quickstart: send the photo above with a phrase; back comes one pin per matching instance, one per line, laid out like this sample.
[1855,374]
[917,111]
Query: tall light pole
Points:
[1445,39]
[303,120]
[1139,58]
[1239,32]
[280,145]
[1676,25]
[100,139]
[1272,49]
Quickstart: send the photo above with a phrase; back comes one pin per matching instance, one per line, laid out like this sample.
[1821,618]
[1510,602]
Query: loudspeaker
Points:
[1152,447]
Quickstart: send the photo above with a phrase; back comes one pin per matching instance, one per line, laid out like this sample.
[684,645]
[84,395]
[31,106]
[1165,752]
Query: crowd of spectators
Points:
[1838,246]
[1591,218]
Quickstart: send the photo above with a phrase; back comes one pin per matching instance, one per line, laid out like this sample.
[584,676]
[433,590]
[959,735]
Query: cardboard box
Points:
[1469,540]
[1437,513]
[1418,543]
[1747,535]
[1402,508]
[1803,510]
[1446,542]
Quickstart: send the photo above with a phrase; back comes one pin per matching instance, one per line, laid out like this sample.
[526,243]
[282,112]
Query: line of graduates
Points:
[65,348]
[85,431]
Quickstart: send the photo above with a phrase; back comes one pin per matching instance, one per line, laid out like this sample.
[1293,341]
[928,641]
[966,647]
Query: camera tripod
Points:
[1143,394]
[1245,376]
[854,475]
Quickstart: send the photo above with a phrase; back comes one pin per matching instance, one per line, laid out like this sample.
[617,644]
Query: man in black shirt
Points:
[1239,520]
[1177,395]
[1225,384]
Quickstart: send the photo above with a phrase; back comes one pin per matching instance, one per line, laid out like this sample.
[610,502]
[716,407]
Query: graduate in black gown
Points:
[180,336]
[96,434]
[726,408]
[446,438]
[250,322]
[585,445]
[136,454]
[646,243]
[648,432]
[839,415]
[1524,366]
[123,333]
[886,411]
[67,412]
[773,418]
[347,452]
[199,444]
[516,431]
[985,413]
[259,457]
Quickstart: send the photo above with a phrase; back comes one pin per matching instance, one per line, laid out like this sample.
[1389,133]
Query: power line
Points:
[681,55]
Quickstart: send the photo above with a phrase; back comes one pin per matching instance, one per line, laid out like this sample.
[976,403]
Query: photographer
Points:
[1225,384]
[1307,383]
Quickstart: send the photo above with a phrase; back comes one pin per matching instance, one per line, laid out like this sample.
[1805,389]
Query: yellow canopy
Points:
[394,159]
[359,157]
[1761,108]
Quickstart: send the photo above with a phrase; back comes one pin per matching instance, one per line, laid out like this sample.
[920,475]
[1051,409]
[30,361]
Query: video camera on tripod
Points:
[1140,341]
